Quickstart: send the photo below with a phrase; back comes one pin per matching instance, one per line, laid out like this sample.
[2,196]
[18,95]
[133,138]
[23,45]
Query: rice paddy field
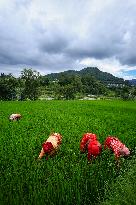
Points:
[66,178]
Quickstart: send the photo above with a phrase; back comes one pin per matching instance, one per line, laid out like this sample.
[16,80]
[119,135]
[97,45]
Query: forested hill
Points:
[132,82]
[104,77]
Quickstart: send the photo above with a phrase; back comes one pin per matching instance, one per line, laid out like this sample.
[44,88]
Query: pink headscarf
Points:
[124,151]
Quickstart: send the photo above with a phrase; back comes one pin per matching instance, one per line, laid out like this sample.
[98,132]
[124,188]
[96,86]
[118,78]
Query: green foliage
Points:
[8,86]
[44,81]
[31,84]
[104,77]
[65,85]
[68,92]
[67,178]
[92,86]
[92,81]
[68,86]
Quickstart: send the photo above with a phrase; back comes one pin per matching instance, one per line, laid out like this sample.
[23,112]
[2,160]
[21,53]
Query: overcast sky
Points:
[56,35]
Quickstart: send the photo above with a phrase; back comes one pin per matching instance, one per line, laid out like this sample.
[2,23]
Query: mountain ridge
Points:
[132,82]
[104,77]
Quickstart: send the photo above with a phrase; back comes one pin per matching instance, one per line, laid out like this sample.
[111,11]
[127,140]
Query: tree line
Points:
[32,85]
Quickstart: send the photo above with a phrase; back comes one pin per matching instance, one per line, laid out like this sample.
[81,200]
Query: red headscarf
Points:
[94,148]
[47,147]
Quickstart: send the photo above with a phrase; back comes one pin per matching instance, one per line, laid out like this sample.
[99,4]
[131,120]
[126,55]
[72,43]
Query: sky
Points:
[52,36]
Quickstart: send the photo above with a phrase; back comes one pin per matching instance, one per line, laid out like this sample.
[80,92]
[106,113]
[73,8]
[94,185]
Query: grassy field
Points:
[66,178]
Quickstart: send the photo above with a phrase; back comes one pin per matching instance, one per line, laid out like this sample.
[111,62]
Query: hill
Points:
[132,82]
[104,77]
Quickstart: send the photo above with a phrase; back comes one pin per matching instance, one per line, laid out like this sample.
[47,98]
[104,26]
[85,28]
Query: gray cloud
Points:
[53,42]
[54,36]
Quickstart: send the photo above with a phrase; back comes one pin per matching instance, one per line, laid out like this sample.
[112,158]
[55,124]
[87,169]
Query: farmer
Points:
[15,117]
[118,148]
[51,145]
[90,144]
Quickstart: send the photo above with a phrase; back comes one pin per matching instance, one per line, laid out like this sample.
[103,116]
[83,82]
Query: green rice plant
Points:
[123,190]
[66,178]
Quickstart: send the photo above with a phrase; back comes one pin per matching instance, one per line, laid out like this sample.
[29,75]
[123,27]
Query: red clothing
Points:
[90,144]
[15,117]
[115,145]
[85,140]
[47,147]
[58,137]
[51,145]
[94,149]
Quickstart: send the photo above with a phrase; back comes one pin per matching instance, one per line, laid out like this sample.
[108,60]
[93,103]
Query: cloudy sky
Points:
[57,35]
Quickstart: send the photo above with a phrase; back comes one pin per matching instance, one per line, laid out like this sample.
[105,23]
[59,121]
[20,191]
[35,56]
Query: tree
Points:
[64,79]
[93,86]
[77,83]
[8,85]
[67,91]
[125,93]
[31,84]
[68,86]
[134,91]
[44,81]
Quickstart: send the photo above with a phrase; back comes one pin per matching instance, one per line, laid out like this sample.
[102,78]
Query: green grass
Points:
[123,191]
[66,178]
